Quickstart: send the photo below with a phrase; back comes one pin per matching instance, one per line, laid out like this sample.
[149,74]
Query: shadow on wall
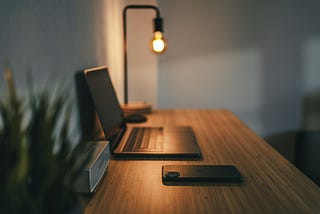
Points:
[285,142]
[311,110]
[302,147]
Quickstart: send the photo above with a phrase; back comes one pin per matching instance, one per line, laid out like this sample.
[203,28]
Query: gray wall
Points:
[142,63]
[260,59]
[53,38]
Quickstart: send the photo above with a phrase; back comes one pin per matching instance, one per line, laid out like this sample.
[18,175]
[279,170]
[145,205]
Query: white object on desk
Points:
[92,173]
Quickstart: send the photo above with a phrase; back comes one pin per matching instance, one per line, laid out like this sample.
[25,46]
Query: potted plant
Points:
[38,163]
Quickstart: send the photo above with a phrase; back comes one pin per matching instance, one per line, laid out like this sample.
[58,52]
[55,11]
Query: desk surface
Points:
[272,184]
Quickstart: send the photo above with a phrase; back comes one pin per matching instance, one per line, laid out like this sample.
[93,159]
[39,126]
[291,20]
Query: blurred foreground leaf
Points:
[37,162]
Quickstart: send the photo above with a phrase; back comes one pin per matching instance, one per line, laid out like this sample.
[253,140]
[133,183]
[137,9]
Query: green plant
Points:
[38,164]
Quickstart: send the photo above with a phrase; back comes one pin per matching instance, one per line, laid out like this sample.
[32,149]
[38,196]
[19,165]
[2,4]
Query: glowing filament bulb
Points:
[159,44]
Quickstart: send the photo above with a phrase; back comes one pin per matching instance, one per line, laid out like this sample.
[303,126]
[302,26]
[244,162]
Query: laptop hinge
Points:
[117,138]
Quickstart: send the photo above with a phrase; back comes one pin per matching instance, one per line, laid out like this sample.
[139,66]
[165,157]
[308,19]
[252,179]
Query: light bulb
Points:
[159,44]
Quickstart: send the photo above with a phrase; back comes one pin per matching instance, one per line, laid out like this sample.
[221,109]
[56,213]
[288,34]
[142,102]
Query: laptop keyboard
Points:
[145,139]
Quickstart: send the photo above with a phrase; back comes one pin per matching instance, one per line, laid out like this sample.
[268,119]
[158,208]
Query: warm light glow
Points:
[159,44]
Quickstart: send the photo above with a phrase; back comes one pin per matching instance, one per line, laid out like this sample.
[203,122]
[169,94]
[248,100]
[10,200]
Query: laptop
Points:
[136,141]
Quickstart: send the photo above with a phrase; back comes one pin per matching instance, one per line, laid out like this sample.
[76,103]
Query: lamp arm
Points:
[137,6]
[124,15]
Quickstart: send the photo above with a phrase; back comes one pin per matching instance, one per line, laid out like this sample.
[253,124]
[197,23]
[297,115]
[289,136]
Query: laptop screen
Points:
[105,101]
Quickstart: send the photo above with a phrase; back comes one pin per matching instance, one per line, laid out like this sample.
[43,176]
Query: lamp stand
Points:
[136,108]
[134,112]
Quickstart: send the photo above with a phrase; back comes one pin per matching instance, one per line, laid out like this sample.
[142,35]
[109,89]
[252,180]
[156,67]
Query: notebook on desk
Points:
[136,142]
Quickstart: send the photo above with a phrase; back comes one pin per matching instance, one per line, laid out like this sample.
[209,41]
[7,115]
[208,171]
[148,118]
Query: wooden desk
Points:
[272,184]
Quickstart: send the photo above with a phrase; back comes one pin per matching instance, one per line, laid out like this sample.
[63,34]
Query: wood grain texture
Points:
[272,184]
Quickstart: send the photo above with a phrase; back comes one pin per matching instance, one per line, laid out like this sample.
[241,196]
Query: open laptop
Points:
[136,142]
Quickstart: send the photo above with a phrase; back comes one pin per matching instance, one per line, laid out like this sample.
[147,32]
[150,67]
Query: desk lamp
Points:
[135,112]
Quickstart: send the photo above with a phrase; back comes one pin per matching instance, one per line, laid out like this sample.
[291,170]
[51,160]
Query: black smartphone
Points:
[201,173]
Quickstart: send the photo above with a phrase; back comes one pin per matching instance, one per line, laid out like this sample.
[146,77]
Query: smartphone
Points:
[201,173]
